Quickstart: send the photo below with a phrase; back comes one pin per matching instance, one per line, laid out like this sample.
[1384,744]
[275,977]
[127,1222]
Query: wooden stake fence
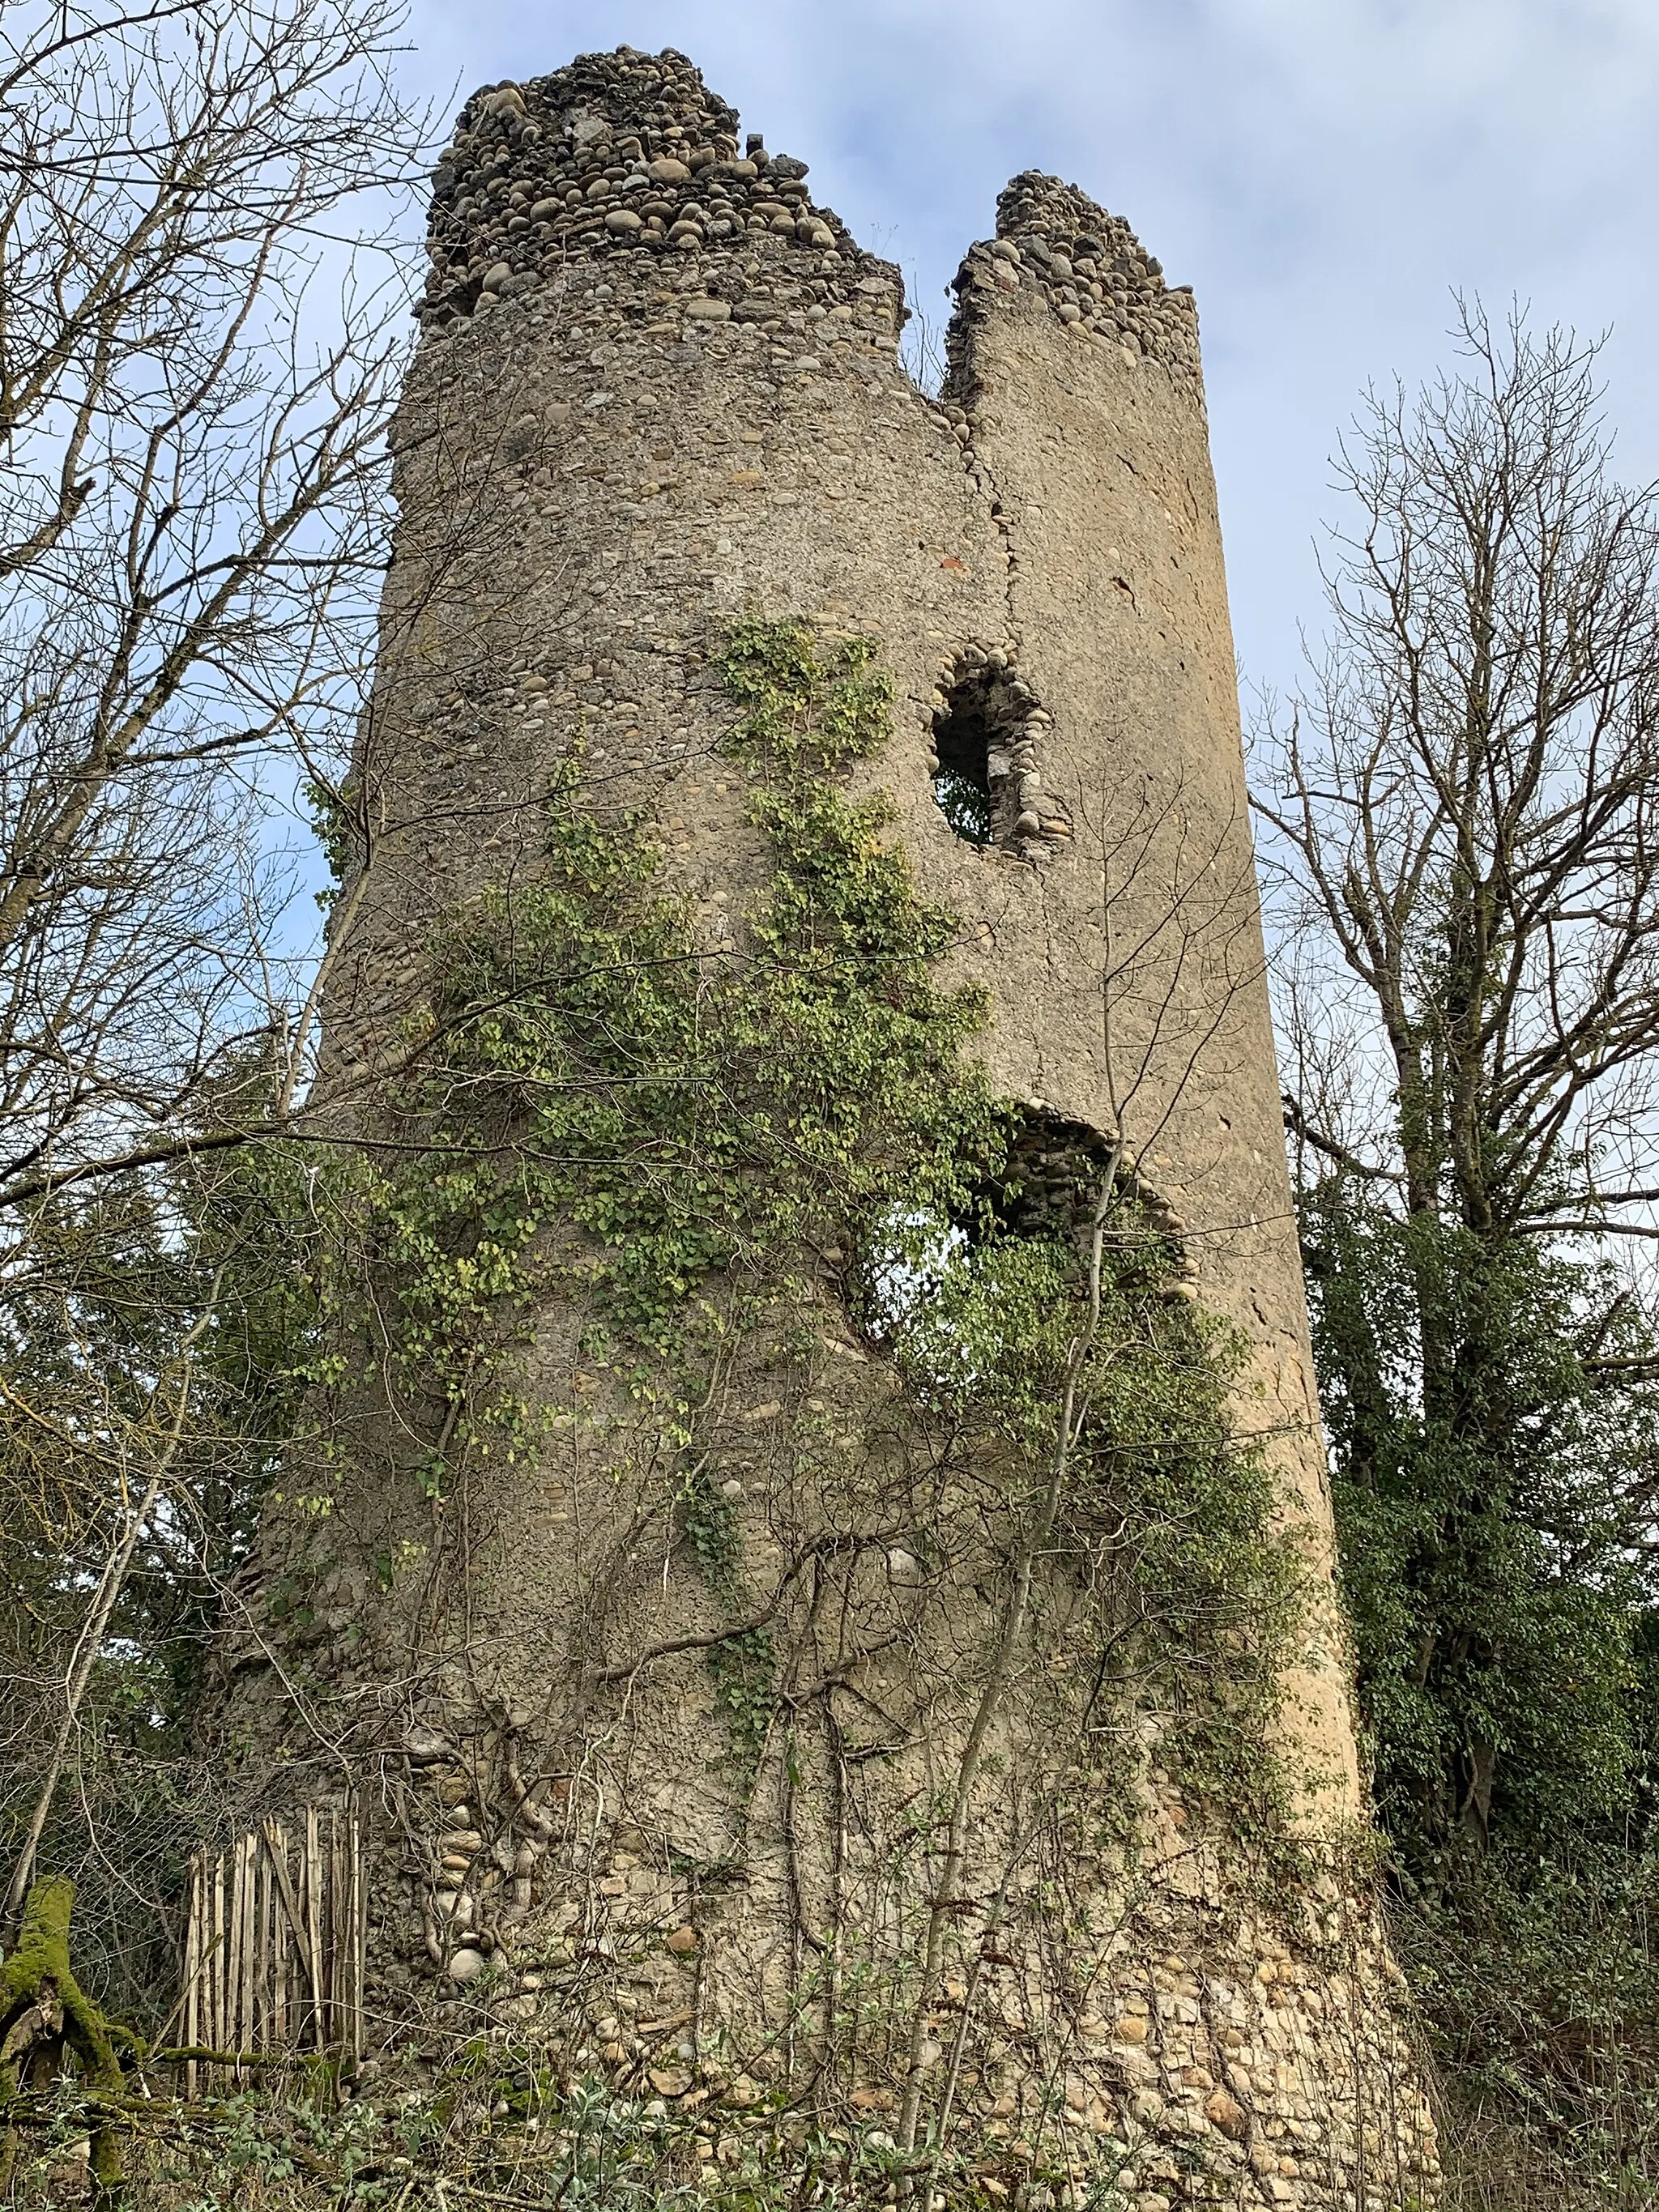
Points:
[273,1948]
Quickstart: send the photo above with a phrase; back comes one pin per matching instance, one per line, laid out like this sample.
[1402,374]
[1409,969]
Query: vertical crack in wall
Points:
[664,371]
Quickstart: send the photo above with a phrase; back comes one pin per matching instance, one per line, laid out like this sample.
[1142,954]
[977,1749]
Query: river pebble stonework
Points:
[659,393]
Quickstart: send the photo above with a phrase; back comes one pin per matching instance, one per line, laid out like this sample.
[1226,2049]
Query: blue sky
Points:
[1323,172]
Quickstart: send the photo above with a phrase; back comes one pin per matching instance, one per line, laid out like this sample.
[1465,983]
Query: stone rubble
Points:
[1090,268]
[604,245]
[536,182]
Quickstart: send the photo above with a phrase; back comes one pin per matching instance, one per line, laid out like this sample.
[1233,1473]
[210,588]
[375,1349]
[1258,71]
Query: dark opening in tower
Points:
[961,780]
[986,780]
[1049,1181]
[930,1276]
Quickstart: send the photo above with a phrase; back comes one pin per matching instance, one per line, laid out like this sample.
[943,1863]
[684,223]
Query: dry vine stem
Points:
[1038,1536]
[743,1409]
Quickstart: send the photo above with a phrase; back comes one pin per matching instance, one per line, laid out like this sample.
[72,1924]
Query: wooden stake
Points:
[262,1981]
[192,1973]
[217,2025]
[359,1929]
[313,1881]
[243,2024]
[277,1845]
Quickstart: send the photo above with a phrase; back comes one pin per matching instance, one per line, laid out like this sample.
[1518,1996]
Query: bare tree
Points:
[201,292]
[195,381]
[1467,799]
[1465,818]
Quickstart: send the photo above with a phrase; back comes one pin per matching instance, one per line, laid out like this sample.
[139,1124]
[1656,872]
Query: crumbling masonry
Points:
[657,393]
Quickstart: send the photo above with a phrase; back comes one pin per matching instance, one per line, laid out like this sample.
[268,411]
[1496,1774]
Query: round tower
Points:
[833,1491]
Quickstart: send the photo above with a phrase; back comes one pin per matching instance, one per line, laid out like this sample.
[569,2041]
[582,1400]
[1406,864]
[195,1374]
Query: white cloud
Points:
[1323,171]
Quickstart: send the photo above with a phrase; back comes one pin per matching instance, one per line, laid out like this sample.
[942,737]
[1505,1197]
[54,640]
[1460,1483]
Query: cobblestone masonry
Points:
[657,387]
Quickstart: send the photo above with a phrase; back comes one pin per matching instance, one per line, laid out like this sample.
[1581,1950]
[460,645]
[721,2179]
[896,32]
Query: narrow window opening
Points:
[987,781]
[962,781]
[931,1278]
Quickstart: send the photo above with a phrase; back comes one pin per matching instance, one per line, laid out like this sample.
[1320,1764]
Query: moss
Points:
[670,1137]
[35,1976]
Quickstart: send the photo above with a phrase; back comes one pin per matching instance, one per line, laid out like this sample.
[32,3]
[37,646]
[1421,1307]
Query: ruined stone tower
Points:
[776,1723]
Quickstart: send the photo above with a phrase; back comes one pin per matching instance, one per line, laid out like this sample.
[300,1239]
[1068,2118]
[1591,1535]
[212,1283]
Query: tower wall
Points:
[641,413]
[1093,441]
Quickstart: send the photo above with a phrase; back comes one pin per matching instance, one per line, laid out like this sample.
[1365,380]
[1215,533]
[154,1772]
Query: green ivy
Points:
[806,707]
[674,1133]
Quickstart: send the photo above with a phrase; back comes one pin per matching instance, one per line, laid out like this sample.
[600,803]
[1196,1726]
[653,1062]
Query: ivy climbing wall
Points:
[813,1509]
